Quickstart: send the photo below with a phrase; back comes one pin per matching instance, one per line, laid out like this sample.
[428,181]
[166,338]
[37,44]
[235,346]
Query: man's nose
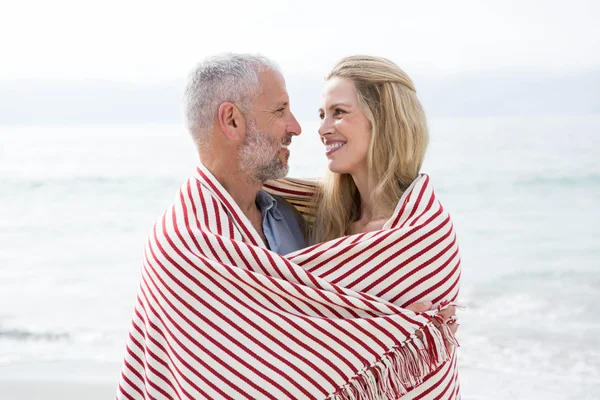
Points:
[294,127]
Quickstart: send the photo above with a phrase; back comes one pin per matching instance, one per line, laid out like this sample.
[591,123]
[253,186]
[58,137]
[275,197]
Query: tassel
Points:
[400,369]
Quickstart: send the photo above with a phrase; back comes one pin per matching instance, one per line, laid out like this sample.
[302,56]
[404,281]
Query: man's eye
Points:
[282,109]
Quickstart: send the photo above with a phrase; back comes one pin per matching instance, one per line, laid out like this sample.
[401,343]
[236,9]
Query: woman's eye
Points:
[321,116]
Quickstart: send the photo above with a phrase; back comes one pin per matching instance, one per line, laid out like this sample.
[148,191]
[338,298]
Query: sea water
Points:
[76,203]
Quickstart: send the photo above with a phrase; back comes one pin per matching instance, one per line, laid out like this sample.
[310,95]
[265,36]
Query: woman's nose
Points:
[326,128]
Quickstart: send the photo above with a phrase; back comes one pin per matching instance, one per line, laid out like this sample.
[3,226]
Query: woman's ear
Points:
[231,121]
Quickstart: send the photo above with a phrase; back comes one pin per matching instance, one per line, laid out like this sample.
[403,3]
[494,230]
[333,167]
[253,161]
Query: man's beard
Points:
[259,155]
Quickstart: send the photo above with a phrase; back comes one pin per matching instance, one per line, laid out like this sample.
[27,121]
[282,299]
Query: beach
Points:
[44,390]
[48,380]
[79,200]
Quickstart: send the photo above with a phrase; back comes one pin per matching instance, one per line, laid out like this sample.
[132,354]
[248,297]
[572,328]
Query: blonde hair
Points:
[398,141]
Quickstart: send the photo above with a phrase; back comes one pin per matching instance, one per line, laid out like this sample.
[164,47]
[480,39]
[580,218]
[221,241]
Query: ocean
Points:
[76,204]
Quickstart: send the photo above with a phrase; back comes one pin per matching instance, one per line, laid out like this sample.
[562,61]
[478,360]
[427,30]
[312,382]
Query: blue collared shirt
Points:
[282,224]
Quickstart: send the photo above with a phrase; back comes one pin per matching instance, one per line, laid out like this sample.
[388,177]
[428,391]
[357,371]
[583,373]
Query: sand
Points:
[55,390]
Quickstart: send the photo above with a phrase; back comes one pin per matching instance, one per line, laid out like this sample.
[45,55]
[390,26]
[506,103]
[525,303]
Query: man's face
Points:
[264,153]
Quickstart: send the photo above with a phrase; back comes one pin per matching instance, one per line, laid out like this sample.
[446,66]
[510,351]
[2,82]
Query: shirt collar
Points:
[267,203]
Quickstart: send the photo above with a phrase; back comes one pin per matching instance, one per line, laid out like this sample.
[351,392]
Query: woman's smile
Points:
[333,146]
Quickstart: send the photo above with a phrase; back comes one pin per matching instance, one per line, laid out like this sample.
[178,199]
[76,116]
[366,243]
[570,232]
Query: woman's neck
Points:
[368,211]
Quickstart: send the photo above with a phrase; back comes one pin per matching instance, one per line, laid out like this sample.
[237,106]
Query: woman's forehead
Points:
[339,90]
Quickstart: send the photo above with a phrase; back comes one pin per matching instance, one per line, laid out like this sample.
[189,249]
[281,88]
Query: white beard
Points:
[259,156]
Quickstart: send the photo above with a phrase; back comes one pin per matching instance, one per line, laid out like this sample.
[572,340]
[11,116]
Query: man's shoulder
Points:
[189,197]
[281,201]
[290,212]
[284,205]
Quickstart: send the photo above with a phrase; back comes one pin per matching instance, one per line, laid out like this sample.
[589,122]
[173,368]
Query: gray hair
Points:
[226,77]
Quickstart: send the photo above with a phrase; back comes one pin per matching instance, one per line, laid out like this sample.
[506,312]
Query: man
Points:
[218,316]
[239,115]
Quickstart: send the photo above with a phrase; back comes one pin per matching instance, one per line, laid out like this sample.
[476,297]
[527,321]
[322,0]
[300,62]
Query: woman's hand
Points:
[447,315]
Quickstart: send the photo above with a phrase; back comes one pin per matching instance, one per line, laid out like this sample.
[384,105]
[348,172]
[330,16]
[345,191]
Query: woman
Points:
[375,135]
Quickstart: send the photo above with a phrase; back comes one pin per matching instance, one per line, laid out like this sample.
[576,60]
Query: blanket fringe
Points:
[400,369]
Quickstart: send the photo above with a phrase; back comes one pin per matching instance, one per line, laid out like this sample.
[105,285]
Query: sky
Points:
[146,41]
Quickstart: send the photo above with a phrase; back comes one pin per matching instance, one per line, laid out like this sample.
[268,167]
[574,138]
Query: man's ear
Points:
[232,121]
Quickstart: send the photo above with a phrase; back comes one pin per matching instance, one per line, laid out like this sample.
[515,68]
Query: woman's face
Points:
[345,130]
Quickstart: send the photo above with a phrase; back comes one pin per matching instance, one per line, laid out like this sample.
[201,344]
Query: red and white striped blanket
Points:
[219,316]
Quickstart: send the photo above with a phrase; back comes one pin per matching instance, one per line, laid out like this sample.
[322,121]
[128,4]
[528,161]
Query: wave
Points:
[86,181]
[166,181]
[24,335]
[591,180]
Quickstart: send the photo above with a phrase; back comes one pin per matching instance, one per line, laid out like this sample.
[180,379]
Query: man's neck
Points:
[243,191]
[240,188]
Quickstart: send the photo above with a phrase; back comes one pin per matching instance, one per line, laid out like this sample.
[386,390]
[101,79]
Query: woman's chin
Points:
[336,168]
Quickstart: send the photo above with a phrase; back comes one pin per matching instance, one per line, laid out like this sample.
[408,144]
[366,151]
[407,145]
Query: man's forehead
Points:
[271,76]
[273,87]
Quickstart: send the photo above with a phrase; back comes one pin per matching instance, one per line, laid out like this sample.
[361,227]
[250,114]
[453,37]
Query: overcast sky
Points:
[146,41]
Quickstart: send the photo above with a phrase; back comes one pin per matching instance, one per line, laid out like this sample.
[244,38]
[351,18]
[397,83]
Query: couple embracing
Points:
[257,286]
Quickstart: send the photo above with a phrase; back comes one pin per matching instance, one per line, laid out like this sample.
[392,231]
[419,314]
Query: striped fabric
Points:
[219,316]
